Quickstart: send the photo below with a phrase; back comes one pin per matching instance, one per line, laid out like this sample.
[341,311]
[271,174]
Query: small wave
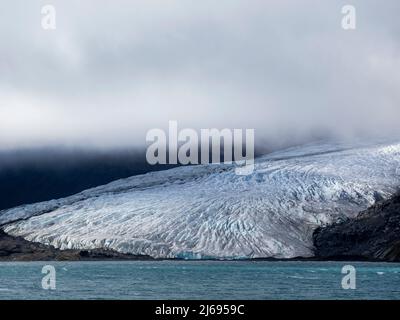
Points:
[296,277]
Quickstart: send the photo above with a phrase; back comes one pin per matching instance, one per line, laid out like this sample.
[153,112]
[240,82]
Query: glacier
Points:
[207,211]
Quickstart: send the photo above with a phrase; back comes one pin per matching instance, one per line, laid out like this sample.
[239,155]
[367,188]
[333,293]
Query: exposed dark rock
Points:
[30,176]
[373,235]
[19,249]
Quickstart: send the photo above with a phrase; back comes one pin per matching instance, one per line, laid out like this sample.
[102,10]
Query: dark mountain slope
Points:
[30,176]
[19,249]
[373,235]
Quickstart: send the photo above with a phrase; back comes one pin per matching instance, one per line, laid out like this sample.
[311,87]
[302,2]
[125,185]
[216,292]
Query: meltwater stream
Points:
[199,280]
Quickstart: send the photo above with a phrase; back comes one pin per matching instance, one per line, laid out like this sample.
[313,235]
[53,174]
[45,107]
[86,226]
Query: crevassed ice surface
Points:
[208,211]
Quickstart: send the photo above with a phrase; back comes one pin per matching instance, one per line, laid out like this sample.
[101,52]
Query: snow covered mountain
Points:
[208,211]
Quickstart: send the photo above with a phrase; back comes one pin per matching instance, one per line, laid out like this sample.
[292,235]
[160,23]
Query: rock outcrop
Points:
[19,249]
[373,235]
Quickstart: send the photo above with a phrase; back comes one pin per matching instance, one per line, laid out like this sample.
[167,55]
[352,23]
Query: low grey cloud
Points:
[114,69]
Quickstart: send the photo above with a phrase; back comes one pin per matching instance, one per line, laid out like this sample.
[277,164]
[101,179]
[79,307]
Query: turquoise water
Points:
[199,280]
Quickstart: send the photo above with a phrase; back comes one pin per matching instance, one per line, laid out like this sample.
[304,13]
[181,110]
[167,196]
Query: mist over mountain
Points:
[39,174]
[107,75]
[28,176]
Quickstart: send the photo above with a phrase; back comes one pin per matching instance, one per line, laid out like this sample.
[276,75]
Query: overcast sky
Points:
[114,69]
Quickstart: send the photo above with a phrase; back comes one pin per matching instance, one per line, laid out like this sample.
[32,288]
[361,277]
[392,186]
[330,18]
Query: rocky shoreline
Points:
[18,249]
[374,235]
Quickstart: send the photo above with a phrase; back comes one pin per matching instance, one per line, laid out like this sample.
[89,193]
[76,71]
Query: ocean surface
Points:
[199,280]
